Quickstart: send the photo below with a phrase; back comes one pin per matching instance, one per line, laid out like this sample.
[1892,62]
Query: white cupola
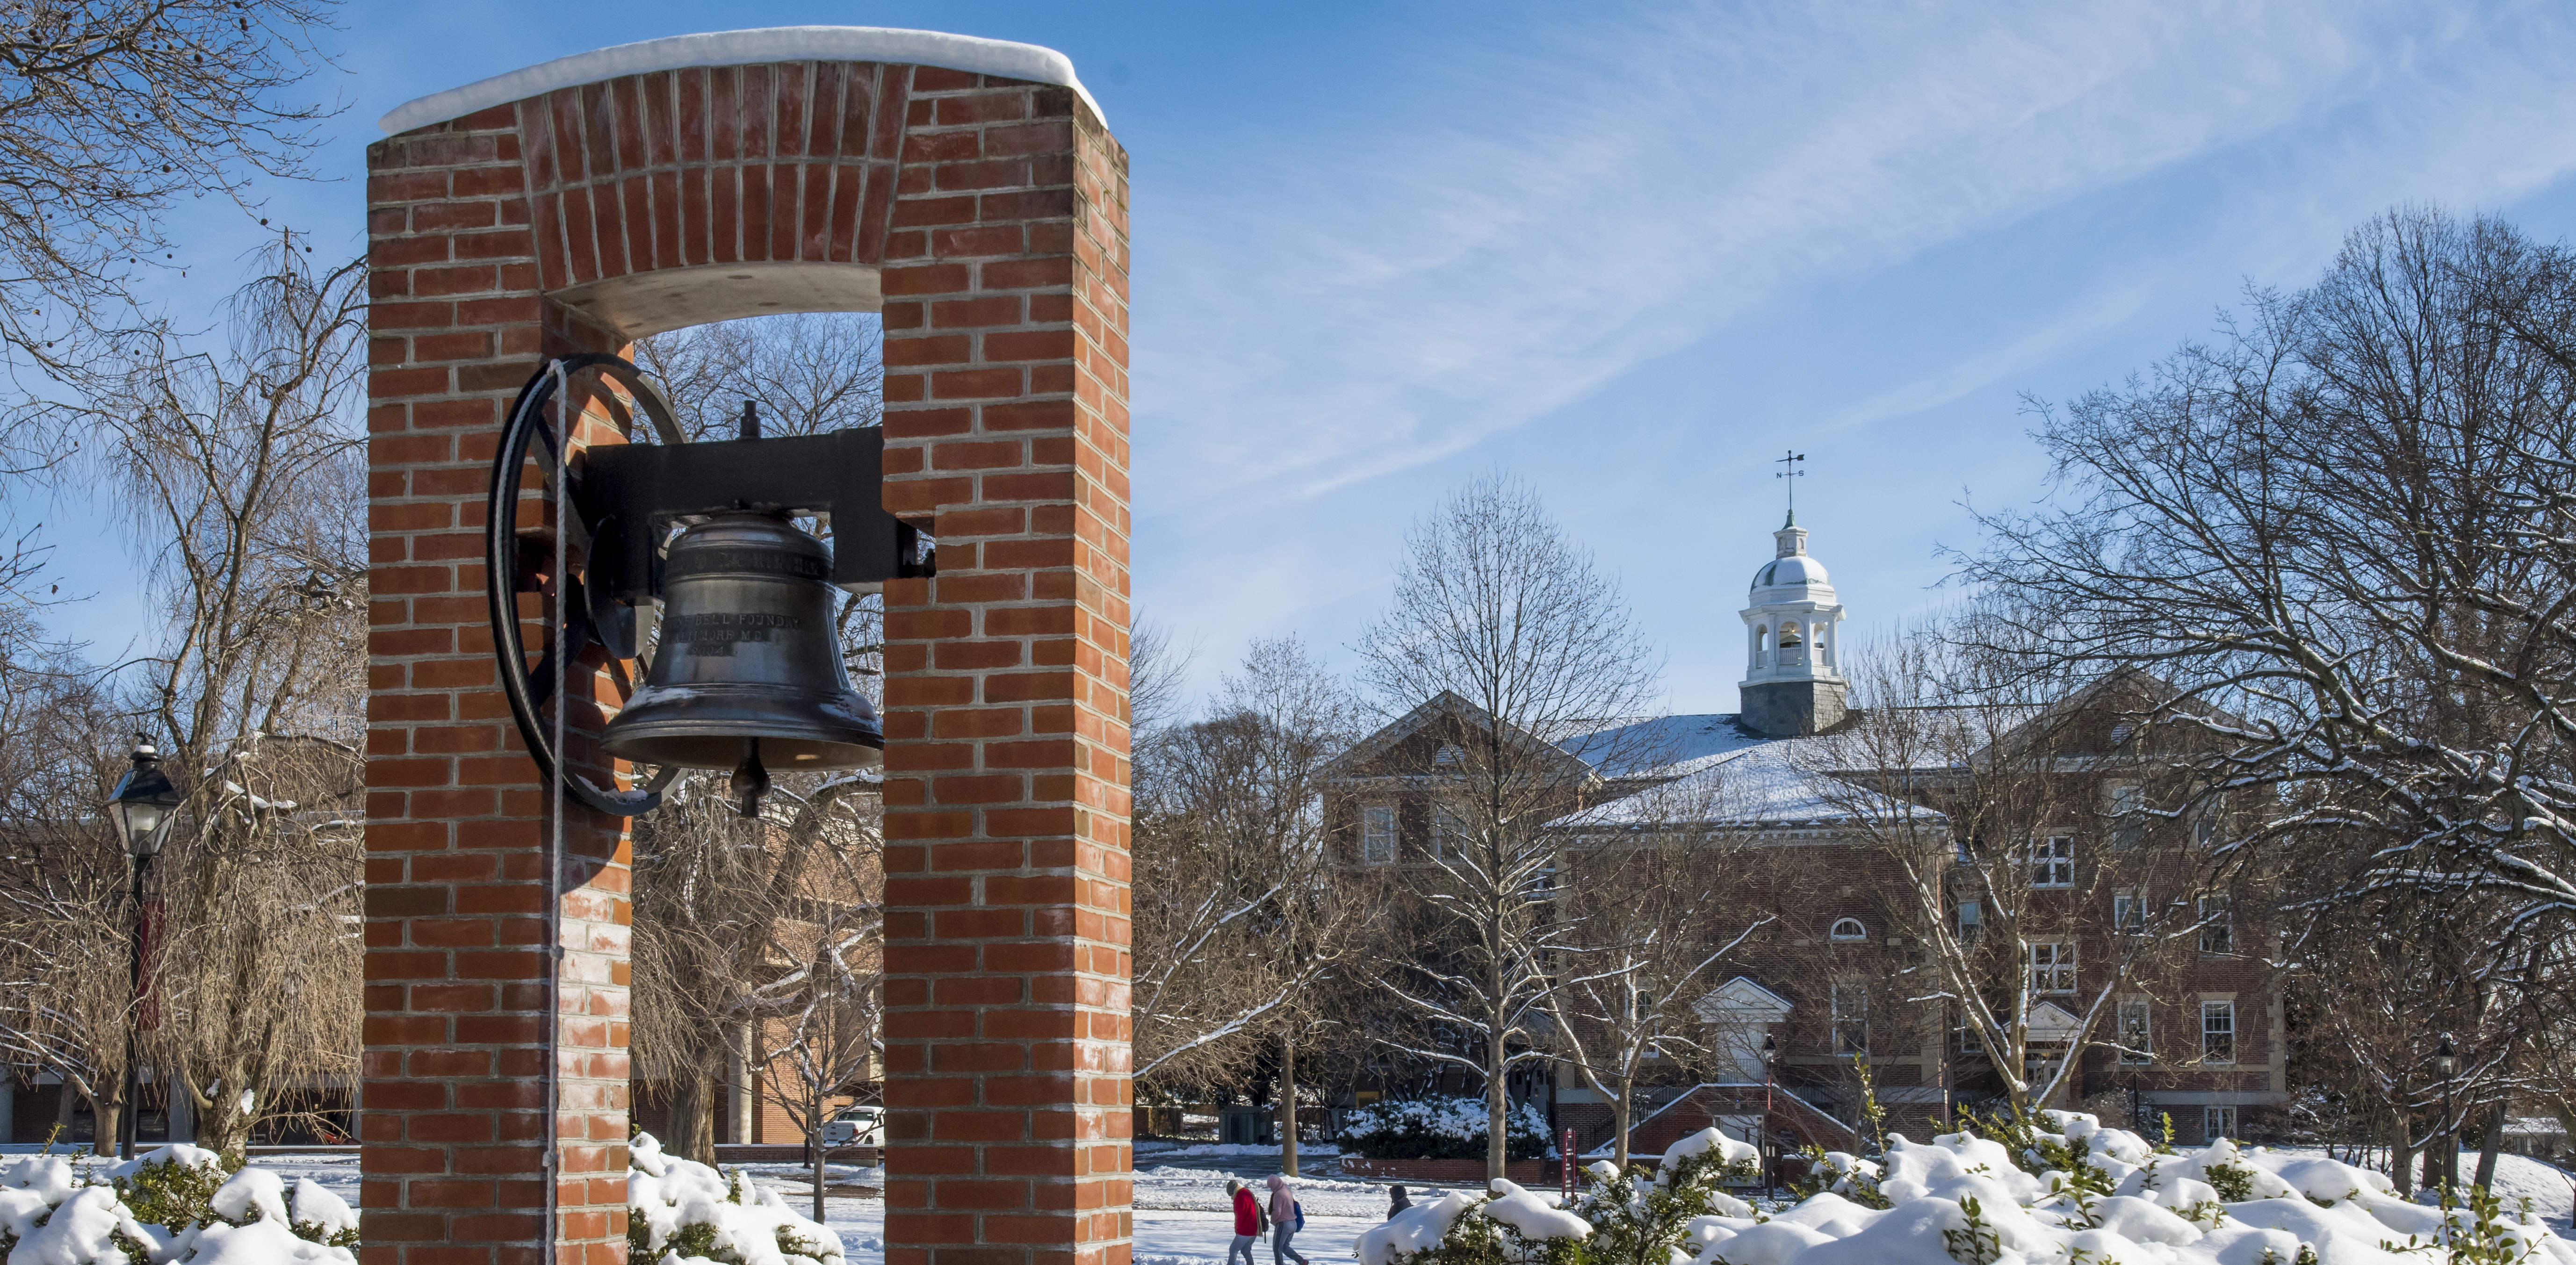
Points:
[1793,681]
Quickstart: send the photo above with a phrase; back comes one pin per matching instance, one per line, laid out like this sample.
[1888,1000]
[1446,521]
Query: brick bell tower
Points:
[970,191]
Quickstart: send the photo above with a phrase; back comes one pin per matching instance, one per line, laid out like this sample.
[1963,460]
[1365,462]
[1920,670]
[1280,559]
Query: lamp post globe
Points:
[144,805]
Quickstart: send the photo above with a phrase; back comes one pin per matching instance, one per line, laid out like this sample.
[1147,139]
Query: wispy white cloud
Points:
[1531,225]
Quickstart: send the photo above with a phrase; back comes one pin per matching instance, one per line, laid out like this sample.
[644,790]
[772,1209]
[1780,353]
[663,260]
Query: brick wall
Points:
[997,210]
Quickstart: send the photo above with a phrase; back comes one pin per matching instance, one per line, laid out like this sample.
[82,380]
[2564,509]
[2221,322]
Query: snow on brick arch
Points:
[745,48]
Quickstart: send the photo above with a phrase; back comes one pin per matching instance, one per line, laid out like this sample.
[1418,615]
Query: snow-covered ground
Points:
[1180,1212]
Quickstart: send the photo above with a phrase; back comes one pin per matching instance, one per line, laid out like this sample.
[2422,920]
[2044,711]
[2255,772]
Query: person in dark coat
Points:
[1396,1202]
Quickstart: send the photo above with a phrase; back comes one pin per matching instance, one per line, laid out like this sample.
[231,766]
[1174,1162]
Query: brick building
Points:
[1795,802]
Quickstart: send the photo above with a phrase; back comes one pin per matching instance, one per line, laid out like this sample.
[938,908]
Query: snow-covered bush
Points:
[680,1212]
[1440,1129]
[179,1205]
[2064,1191]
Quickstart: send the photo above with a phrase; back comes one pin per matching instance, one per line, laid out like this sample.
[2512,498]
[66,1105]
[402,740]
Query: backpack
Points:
[1300,1211]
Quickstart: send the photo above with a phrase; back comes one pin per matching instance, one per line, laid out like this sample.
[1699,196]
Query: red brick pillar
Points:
[1006,787]
[471,996]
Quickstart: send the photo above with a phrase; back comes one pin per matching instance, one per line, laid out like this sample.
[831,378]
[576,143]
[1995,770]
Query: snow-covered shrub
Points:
[1964,1199]
[1440,1129]
[685,1212]
[179,1205]
[1645,1224]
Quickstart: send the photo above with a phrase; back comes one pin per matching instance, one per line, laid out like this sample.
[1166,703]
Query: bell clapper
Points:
[750,781]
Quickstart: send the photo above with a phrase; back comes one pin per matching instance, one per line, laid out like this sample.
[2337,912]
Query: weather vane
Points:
[1788,470]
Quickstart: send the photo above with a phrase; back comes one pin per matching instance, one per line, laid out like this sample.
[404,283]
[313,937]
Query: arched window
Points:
[1848,929]
[1789,636]
[1761,646]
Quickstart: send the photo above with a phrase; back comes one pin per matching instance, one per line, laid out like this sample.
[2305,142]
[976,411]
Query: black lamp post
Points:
[2446,1064]
[144,806]
[1770,1062]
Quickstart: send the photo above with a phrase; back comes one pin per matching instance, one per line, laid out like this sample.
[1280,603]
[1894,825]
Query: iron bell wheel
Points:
[748,654]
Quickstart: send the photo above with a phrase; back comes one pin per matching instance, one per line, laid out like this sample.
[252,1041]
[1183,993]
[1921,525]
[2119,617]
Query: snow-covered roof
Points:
[1751,781]
[738,48]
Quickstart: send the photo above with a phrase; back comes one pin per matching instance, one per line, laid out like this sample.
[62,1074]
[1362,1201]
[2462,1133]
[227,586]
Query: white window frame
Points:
[2218,1120]
[2206,820]
[2052,966]
[2136,1033]
[2128,820]
[1377,834]
[2224,943]
[2223,1011]
[1850,1013]
[1448,835]
[2052,861]
[2128,911]
[1859,932]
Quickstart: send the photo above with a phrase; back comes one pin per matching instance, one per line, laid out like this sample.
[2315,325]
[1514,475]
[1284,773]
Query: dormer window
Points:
[1848,929]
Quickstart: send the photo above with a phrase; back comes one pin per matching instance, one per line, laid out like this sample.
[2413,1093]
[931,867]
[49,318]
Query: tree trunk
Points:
[693,1118]
[1496,1096]
[104,1114]
[1619,1113]
[815,1140]
[1288,1106]
[2401,1155]
[2494,1143]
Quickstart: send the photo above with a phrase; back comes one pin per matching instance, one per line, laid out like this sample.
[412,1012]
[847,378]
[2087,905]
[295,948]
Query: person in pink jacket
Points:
[1283,1223]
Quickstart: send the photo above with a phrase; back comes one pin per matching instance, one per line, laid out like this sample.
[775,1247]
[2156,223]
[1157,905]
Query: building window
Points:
[2128,911]
[2137,1045]
[2217,1122]
[1789,636]
[1448,835]
[2052,861]
[2208,819]
[1445,755]
[1969,1041]
[1851,1019]
[1848,929]
[2128,816]
[2218,1032]
[1761,645]
[1377,834]
[2217,935]
[1967,850]
[2052,966]
[1970,915]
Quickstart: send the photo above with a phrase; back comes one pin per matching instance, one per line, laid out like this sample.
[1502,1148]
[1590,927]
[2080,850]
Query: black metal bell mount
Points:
[748,675]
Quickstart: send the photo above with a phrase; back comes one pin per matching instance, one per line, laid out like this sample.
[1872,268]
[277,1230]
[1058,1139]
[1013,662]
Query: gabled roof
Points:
[2053,1023]
[1741,999]
[1447,704]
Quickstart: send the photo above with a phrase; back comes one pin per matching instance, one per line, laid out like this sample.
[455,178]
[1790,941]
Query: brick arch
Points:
[986,217]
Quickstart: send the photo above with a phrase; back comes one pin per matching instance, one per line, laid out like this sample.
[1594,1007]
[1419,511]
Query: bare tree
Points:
[241,473]
[1241,916]
[113,113]
[2347,531]
[819,1028]
[1656,901]
[1984,784]
[1504,623]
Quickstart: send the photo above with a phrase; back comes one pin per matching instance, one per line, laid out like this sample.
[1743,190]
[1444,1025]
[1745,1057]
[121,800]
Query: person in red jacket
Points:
[1247,1221]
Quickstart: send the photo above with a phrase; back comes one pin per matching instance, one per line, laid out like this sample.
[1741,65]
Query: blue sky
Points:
[1631,253]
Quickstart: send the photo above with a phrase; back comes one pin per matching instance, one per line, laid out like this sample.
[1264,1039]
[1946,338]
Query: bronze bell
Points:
[748,675]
